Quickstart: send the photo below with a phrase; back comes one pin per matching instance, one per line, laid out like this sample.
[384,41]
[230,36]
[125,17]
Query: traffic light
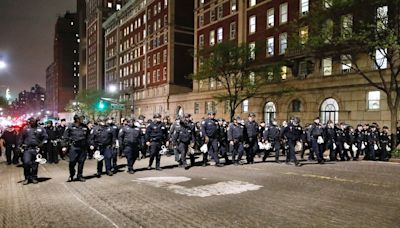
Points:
[101,106]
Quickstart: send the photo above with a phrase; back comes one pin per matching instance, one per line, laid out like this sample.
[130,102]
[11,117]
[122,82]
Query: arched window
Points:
[269,112]
[179,111]
[329,111]
[296,105]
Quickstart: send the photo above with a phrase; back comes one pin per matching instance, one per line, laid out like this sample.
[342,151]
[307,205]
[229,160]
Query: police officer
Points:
[223,140]
[317,141]
[61,128]
[292,134]
[358,140]
[156,136]
[272,134]
[142,126]
[192,126]
[236,133]
[9,137]
[373,142]
[184,137]
[52,143]
[252,128]
[384,138]
[115,129]
[130,137]
[76,136]
[340,140]
[330,138]
[173,130]
[32,139]
[209,131]
[102,138]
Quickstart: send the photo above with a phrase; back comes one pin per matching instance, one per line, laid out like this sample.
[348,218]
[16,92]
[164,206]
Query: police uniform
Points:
[223,141]
[292,134]
[10,140]
[156,135]
[51,153]
[32,138]
[210,129]
[102,138]
[359,141]
[384,138]
[340,139]
[273,135]
[173,130]
[76,136]
[183,137]
[251,128]
[330,137]
[236,137]
[130,139]
[316,132]
[373,139]
[115,150]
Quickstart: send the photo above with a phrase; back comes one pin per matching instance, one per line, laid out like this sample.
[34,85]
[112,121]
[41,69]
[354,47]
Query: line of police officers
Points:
[215,138]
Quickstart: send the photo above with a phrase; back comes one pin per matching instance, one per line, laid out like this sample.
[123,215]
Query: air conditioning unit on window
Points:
[304,13]
[344,71]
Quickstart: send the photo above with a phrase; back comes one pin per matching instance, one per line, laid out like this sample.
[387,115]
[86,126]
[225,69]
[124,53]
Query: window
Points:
[252,49]
[270,46]
[252,24]
[165,3]
[302,69]
[270,18]
[269,112]
[329,111]
[374,98]
[252,78]
[227,108]
[201,20]
[164,73]
[219,35]
[165,56]
[212,83]
[109,4]
[382,17]
[303,33]
[232,31]
[284,72]
[296,105]
[282,43]
[196,108]
[347,25]
[201,2]
[245,106]
[252,3]
[210,106]
[212,38]
[283,13]
[327,66]
[304,7]
[233,5]
[346,63]
[380,59]
[118,6]
[220,12]
[212,14]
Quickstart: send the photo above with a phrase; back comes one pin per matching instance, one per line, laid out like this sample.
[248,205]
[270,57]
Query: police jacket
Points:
[330,134]
[76,135]
[33,136]
[272,134]
[350,136]
[373,137]
[384,138]
[10,137]
[223,133]
[292,133]
[340,135]
[52,133]
[130,136]
[102,136]
[61,130]
[316,131]
[358,136]
[251,130]
[156,132]
[236,132]
[175,127]
[209,128]
[184,134]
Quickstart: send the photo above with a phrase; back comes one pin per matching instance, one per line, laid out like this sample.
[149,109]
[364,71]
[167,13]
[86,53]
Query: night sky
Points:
[26,40]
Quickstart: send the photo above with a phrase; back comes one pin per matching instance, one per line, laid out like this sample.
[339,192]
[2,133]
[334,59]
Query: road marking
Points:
[218,189]
[336,179]
[90,207]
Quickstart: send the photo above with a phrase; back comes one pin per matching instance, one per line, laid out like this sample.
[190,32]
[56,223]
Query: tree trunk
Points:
[232,114]
[393,125]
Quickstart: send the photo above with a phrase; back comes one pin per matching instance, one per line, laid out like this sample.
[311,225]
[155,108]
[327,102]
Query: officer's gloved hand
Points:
[148,143]
[232,143]
[206,140]
[91,147]
[167,144]
[64,149]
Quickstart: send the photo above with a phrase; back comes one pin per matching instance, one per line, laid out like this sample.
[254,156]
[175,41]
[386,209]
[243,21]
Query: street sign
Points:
[117,106]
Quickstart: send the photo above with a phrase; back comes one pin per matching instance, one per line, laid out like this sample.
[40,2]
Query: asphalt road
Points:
[343,194]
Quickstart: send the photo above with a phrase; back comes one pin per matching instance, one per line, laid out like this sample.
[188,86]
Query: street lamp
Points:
[3,65]
[112,89]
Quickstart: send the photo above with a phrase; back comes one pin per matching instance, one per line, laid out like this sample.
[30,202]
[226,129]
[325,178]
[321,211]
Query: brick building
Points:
[96,13]
[64,73]
[148,53]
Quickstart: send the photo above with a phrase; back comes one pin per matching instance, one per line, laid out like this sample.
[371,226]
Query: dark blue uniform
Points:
[384,138]
[114,157]
[340,139]
[316,132]
[251,134]
[209,130]
[156,134]
[130,140]
[76,136]
[10,140]
[236,135]
[292,133]
[103,137]
[358,140]
[184,136]
[373,139]
[273,135]
[32,138]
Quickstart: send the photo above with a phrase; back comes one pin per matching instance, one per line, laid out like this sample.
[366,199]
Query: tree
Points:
[3,103]
[232,67]
[363,36]
[86,102]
